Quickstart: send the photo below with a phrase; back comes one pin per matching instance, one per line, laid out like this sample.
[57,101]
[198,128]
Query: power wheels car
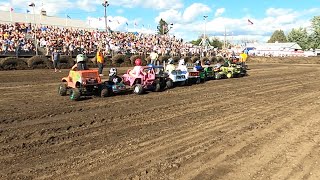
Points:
[142,82]
[115,87]
[218,73]
[209,73]
[177,77]
[162,78]
[82,83]
[193,75]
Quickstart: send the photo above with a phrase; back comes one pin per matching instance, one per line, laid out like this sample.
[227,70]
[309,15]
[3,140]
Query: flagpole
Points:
[225,37]
[11,14]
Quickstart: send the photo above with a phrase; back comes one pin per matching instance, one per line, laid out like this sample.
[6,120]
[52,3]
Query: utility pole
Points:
[225,37]
[105,4]
[35,27]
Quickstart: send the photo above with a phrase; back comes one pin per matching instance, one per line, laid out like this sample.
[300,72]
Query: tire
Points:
[104,92]
[229,75]
[198,81]
[75,94]
[204,79]
[62,90]
[157,87]
[183,83]
[217,76]
[169,84]
[138,89]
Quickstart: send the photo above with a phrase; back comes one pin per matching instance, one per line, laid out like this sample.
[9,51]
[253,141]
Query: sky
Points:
[187,16]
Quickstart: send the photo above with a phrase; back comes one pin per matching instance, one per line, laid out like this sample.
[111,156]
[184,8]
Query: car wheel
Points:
[104,92]
[62,90]
[75,94]
[169,84]
[138,89]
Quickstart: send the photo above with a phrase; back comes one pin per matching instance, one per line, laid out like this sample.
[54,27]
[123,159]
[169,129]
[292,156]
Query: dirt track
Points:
[264,126]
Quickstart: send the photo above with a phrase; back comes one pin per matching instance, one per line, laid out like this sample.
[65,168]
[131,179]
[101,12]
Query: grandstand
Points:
[13,17]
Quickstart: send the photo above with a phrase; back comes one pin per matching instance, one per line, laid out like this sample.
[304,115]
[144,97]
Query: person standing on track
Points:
[100,61]
[243,58]
[55,57]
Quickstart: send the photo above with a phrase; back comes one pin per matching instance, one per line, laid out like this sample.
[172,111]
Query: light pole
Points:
[35,28]
[205,26]
[105,4]
[204,38]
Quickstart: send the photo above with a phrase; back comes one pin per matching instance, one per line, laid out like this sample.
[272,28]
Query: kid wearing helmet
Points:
[182,66]
[138,69]
[197,66]
[170,67]
[81,63]
[113,77]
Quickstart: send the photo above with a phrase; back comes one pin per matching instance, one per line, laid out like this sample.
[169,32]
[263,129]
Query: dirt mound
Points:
[13,63]
[39,62]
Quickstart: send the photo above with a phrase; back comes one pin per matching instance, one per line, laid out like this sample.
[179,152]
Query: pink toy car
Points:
[144,81]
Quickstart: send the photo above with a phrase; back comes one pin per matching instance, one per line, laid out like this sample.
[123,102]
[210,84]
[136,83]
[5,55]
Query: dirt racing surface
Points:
[263,126]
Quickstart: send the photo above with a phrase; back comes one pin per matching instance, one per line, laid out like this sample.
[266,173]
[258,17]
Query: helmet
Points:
[80,58]
[207,62]
[197,63]
[170,61]
[113,71]
[138,62]
[181,62]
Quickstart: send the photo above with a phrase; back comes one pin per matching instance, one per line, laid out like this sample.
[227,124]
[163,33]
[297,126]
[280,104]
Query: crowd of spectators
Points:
[15,39]
[18,39]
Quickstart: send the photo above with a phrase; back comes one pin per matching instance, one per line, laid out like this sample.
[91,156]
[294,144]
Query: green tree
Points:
[299,36]
[163,27]
[196,42]
[278,36]
[215,42]
[315,35]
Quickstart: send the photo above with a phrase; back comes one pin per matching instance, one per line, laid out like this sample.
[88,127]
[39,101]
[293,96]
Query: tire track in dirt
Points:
[159,108]
[125,122]
[261,136]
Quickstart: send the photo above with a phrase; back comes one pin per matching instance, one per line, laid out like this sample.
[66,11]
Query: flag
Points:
[110,20]
[68,17]
[100,19]
[28,11]
[127,24]
[250,22]
[11,9]
[135,24]
[118,21]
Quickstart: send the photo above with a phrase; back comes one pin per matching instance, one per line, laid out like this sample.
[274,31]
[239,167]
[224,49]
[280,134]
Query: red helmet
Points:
[138,62]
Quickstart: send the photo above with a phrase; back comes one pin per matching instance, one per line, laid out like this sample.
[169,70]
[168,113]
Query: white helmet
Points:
[181,62]
[80,58]
[113,71]
[170,61]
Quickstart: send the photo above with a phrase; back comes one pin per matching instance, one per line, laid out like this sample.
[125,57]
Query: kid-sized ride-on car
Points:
[163,80]
[176,76]
[225,72]
[82,83]
[115,84]
[193,75]
[141,82]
